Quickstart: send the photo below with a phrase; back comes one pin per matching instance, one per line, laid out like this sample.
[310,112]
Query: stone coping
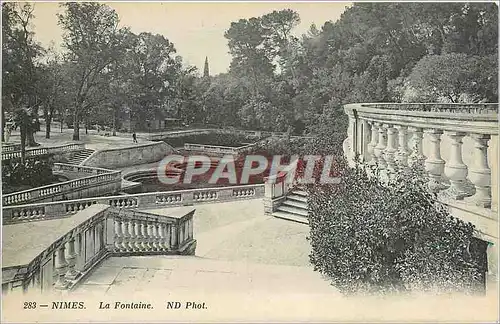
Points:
[466,119]
[23,242]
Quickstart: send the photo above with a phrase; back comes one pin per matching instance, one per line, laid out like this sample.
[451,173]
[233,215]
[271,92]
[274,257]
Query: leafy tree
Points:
[93,39]
[20,70]
[455,77]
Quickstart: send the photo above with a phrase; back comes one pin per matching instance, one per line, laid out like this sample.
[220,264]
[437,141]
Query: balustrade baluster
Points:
[417,152]
[403,151]
[168,236]
[373,143]
[144,235]
[71,274]
[391,148]
[161,235]
[125,236]
[480,173]
[434,164]
[455,169]
[138,236]
[61,266]
[381,145]
[118,235]
[131,236]
[149,241]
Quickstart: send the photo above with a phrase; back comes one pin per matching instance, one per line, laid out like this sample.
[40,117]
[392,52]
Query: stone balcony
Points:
[458,144]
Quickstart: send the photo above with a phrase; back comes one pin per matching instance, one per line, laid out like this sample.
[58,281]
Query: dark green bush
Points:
[35,172]
[371,237]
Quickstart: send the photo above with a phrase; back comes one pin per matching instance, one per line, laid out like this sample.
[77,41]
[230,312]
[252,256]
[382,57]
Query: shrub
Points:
[373,237]
[35,172]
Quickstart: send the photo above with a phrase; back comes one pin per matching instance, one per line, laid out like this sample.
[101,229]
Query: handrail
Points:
[10,154]
[187,197]
[105,232]
[43,192]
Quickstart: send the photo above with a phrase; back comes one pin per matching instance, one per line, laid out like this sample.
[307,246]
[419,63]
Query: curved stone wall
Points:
[128,156]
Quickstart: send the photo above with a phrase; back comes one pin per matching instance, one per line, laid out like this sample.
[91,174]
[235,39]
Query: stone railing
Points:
[13,151]
[50,210]
[65,167]
[101,181]
[249,133]
[141,153]
[210,148]
[458,144]
[276,190]
[80,245]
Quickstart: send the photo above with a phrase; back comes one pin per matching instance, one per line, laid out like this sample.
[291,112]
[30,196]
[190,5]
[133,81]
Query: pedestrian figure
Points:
[134,136]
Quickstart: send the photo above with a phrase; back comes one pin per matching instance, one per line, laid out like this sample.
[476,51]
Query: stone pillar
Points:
[154,230]
[71,274]
[417,152]
[61,268]
[492,256]
[455,169]
[373,143]
[390,150]
[125,236]
[161,235]
[168,235]
[434,164]
[149,240]
[144,236]
[364,140]
[479,173]
[381,145]
[403,151]
[118,235]
[138,236]
[131,236]
[494,163]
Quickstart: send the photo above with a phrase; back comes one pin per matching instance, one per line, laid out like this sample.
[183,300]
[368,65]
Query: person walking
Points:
[134,136]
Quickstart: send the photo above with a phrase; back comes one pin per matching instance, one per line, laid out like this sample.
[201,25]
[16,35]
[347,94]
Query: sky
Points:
[195,29]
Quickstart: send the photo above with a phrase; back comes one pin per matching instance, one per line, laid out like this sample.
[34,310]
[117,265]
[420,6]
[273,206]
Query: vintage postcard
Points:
[249,162]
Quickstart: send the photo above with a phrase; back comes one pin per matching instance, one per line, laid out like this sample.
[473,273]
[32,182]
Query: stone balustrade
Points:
[14,151]
[85,240]
[101,181]
[457,143]
[66,208]
[210,148]
[249,133]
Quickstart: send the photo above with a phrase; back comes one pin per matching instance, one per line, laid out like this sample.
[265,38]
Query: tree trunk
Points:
[30,134]
[23,143]
[48,120]
[76,126]
[114,125]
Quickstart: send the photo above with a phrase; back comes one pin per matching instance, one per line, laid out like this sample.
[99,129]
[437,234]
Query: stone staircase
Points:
[294,207]
[80,156]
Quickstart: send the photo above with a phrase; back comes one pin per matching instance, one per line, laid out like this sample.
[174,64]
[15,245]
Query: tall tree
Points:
[92,38]
[20,70]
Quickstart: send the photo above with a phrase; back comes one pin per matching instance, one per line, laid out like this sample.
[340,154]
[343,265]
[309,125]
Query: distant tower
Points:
[206,71]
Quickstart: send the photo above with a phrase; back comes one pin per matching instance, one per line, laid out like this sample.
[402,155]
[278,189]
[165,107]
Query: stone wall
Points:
[128,156]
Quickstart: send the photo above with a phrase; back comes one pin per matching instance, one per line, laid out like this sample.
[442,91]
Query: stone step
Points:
[300,192]
[293,210]
[295,203]
[297,198]
[292,217]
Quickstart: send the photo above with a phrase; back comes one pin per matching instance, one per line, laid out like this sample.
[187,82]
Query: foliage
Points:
[370,237]
[455,77]
[32,173]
